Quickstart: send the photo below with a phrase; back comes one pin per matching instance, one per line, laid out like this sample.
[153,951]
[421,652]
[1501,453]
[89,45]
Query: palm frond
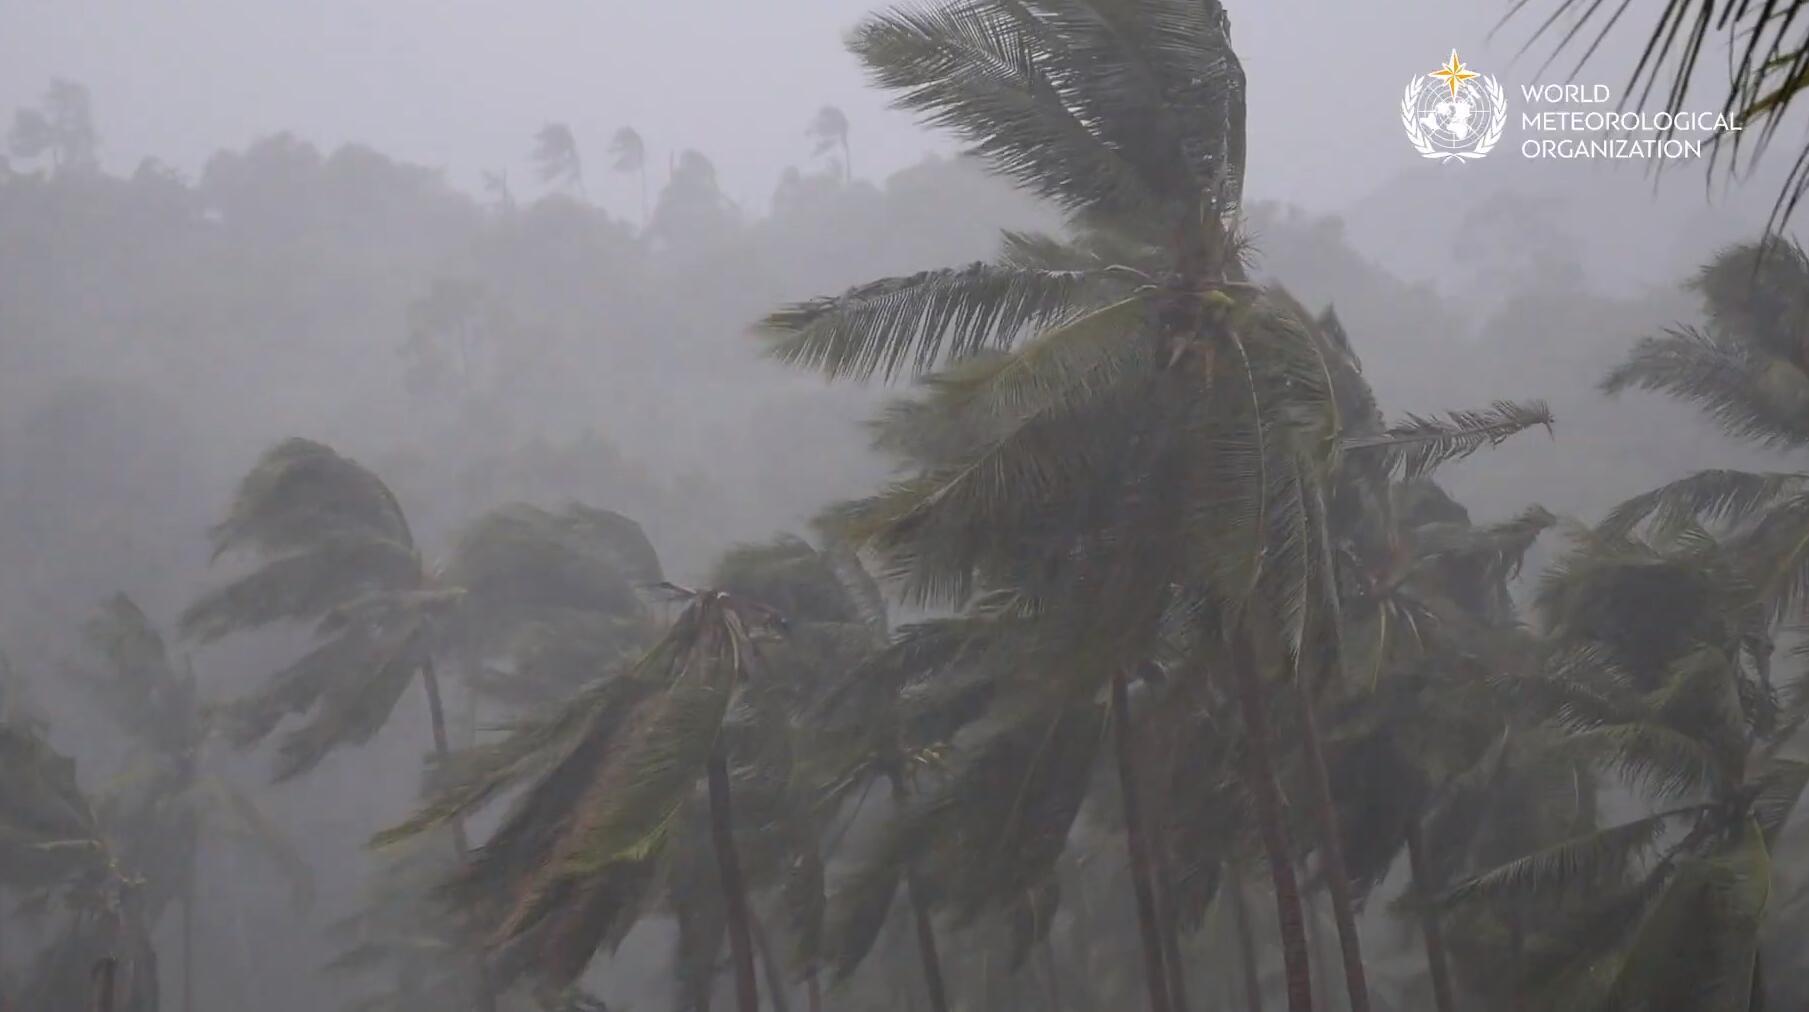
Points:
[300,493]
[1708,497]
[1002,77]
[915,322]
[1592,861]
[1420,444]
[1747,391]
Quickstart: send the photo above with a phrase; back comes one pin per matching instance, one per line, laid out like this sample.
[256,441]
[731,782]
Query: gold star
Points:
[1454,73]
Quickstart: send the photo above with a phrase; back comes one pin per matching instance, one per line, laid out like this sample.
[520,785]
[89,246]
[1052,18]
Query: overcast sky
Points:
[463,84]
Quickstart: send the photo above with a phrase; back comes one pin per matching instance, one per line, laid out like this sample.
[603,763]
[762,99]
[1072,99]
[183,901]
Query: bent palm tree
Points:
[1156,434]
[164,810]
[1656,677]
[55,853]
[575,862]
[338,552]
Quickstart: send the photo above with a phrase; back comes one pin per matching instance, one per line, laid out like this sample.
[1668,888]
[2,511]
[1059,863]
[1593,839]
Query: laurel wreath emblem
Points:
[1491,134]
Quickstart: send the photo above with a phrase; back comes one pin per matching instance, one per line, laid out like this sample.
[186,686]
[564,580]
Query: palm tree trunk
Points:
[105,968]
[1148,926]
[1337,878]
[1517,951]
[1430,928]
[188,941]
[920,914]
[442,748]
[926,944]
[1052,974]
[775,977]
[1266,794]
[1316,944]
[1246,947]
[1170,921]
[734,889]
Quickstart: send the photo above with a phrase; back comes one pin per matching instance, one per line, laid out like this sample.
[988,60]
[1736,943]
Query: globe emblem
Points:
[1453,114]
[1452,122]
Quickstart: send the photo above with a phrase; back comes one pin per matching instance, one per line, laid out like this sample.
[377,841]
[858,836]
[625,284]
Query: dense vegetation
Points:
[1137,654]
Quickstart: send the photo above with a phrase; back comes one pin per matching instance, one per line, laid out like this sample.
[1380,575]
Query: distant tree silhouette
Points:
[61,127]
[829,131]
[556,157]
[628,153]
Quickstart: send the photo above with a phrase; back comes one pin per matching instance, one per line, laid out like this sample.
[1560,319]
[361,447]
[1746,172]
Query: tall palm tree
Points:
[556,157]
[828,131]
[338,551]
[575,862]
[169,804]
[56,854]
[628,153]
[1158,431]
[1657,676]
[1747,368]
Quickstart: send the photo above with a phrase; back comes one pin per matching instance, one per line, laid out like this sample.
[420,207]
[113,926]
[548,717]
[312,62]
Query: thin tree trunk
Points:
[442,747]
[1331,862]
[188,942]
[734,890]
[1517,951]
[1266,795]
[813,992]
[1246,947]
[926,944]
[1316,944]
[1430,927]
[1170,920]
[1052,974]
[1148,926]
[769,965]
[105,969]
[920,915]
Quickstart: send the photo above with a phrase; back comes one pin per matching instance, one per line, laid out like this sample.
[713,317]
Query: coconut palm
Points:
[1656,675]
[828,131]
[575,862]
[556,157]
[55,853]
[628,153]
[164,809]
[1747,368]
[338,552]
[1158,433]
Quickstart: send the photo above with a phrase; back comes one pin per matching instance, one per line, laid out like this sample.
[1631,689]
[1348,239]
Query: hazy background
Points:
[324,166]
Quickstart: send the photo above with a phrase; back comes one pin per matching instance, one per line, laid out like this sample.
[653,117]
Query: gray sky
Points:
[463,84]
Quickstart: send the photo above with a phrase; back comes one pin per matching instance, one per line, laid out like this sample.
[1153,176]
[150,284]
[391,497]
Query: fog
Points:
[335,221]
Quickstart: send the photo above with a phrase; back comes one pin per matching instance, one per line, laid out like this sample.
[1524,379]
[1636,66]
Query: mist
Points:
[513,332]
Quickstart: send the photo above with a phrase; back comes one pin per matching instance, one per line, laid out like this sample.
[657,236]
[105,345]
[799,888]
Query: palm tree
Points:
[1158,433]
[54,851]
[628,153]
[169,805]
[828,131]
[556,157]
[338,551]
[1747,368]
[1656,674]
[574,864]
